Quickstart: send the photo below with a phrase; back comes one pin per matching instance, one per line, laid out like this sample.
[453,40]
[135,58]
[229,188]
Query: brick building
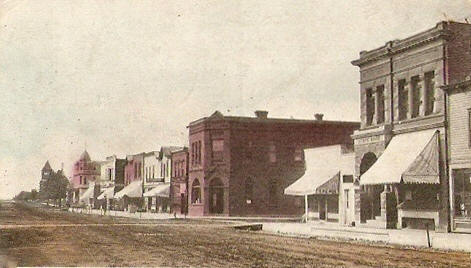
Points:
[84,171]
[241,165]
[400,147]
[179,181]
[459,142]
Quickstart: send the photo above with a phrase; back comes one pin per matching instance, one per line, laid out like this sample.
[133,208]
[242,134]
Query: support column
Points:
[423,95]
[306,208]
[376,105]
[326,208]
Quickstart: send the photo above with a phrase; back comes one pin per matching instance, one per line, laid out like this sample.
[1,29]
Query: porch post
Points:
[306,208]
[326,207]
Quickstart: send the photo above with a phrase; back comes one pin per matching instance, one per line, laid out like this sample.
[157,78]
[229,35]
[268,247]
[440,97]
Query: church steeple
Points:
[47,166]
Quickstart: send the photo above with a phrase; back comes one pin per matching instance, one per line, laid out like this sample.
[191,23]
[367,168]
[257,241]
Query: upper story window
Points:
[272,152]
[110,173]
[403,104]
[217,149]
[380,104]
[429,83]
[370,106]
[196,153]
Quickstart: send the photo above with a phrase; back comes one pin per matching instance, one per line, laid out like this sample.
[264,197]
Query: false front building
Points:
[241,165]
[401,145]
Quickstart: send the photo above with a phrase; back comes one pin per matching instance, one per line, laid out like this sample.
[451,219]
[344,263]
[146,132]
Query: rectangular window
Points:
[153,171]
[272,152]
[370,106]
[199,152]
[298,154]
[403,105]
[416,96]
[192,153]
[430,92]
[380,108]
[217,149]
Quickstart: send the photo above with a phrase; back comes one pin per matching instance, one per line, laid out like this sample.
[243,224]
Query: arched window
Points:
[196,192]
[249,190]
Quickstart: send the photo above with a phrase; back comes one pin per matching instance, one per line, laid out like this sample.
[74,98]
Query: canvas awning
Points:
[323,168]
[88,193]
[409,158]
[134,189]
[311,182]
[161,190]
[108,194]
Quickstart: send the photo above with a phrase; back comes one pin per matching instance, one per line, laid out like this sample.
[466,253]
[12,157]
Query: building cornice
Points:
[461,86]
[397,46]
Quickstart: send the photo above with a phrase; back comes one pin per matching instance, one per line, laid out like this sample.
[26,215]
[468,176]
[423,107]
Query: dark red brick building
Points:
[241,165]
[179,181]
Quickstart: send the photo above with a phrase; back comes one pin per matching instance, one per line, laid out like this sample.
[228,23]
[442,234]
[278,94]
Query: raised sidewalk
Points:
[404,237]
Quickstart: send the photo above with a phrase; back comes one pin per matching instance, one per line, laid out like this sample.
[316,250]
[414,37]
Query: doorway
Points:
[216,196]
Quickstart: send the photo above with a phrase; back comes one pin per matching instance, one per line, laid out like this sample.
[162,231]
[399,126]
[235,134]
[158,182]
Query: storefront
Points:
[320,184]
[406,178]
[130,197]
[158,198]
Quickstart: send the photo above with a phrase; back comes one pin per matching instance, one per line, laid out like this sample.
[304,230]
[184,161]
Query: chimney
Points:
[261,114]
[319,117]
[62,166]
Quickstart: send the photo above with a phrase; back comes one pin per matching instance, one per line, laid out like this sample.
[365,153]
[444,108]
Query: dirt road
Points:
[126,242]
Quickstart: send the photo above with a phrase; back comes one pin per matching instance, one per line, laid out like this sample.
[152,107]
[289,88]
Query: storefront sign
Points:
[370,139]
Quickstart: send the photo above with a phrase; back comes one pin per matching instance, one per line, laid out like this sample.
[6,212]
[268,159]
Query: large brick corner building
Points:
[240,165]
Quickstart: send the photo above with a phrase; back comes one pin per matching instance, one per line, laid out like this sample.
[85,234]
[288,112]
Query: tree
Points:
[34,194]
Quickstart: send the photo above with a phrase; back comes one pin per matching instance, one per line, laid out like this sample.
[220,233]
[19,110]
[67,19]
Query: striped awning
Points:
[134,189]
[409,158]
[161,190]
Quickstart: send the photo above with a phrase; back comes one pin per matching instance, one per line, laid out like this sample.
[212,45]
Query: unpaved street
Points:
[50,238]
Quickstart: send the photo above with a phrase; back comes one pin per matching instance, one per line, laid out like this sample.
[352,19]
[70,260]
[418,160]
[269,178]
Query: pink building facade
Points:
[84,171]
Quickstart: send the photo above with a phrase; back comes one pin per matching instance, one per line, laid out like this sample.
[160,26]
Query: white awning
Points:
[134,189]
[107,194]
[88,193]
[322,165]
[161,190]
[403,151]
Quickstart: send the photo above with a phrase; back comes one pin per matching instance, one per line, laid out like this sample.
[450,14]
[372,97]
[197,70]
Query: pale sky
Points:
[122,77]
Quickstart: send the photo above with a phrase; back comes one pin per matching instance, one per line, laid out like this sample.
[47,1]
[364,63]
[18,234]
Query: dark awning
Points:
[425,168]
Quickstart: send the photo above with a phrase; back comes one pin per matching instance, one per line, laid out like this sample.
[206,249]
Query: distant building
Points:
[84,171]
[47,174]
[111,179]
[134,168]
[157,170]
[53,184]
[241,165]
[179,182]
[400,148]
